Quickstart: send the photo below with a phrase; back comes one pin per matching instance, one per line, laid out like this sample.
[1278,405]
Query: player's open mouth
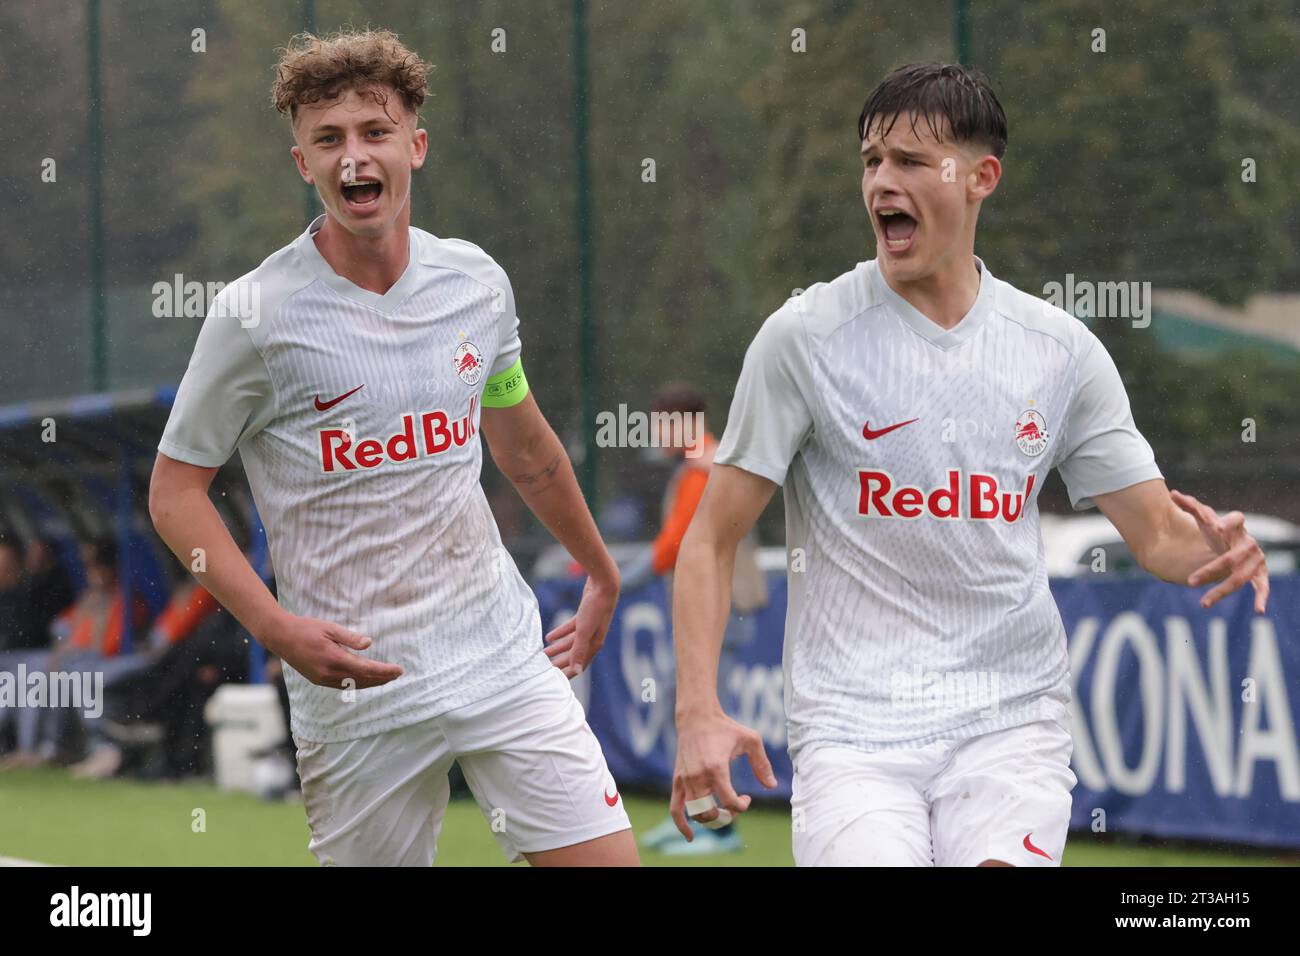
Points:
[362,192]
[897,228]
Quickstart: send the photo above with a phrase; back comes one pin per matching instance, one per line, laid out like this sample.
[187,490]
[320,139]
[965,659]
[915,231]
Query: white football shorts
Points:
[1000,796]
[532,763]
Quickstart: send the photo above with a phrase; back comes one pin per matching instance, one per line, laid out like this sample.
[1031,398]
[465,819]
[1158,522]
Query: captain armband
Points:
[506,388]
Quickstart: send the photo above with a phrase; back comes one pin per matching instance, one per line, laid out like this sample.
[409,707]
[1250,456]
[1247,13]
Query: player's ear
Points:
[301,162]
[985,177]
[420,143]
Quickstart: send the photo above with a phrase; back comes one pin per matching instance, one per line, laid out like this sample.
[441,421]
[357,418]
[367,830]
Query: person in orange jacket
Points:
[88,639]
[683,436]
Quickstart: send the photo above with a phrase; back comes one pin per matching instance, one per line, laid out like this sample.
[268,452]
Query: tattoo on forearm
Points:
[533,477]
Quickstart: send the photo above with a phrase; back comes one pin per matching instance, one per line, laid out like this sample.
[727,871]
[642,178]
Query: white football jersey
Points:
[912,458]
[356,416]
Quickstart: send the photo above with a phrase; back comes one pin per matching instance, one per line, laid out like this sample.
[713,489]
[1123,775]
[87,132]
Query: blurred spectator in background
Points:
[89,638]
[195,646]
[685,438]
[12,604]
[27,609]
[47,592]
[11,597]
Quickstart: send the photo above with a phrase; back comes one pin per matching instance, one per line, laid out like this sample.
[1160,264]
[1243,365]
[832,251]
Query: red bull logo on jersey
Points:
[426,435]
[977,498]
[468,363]
[1031,433]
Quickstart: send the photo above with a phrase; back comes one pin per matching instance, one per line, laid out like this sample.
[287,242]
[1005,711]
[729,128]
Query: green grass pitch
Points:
[47,817]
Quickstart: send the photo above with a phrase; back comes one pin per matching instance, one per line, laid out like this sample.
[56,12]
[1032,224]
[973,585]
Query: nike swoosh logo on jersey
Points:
[326,406]
[869,435]
[1033,849]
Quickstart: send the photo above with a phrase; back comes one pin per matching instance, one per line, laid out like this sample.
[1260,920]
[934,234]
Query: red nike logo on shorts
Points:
[611,801]
[326,406]
[1033,849]
[868,434]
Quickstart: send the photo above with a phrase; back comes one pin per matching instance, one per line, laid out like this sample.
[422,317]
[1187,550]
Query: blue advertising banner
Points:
[1184,720]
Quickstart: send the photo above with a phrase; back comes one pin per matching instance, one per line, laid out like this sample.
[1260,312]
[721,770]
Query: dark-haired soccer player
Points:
[926,676]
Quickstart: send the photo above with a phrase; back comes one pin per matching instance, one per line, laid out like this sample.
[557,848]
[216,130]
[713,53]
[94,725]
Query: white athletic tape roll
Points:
[700,805]
[717,823]
[704,805]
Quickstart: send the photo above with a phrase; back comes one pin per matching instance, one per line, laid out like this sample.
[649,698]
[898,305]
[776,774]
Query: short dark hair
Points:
[679,397]
[102,551]
[937,91]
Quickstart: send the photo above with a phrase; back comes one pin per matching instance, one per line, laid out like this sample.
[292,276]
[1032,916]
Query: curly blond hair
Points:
[313,68]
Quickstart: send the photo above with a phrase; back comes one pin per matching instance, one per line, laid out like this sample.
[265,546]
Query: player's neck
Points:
[374,264]
[945,296]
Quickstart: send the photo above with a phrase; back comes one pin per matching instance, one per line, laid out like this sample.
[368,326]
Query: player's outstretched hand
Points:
[1240,558]
[706,745]
[573,645]
[319,651]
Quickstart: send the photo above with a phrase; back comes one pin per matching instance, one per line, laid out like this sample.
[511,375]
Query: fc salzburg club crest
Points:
[468,362]
[1031,433]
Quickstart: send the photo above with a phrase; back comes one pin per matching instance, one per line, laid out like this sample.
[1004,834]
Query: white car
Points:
[1070,544]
